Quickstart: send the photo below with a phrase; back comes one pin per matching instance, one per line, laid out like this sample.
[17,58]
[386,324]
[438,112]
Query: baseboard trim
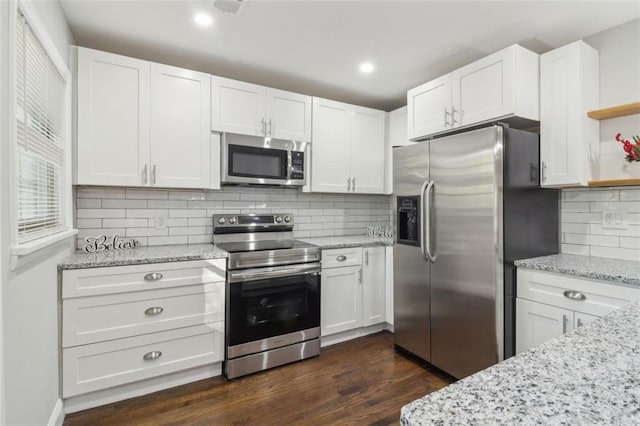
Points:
[131,390]
[334,339]
[57,415]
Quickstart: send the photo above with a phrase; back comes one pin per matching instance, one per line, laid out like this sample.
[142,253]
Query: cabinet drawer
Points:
[598,297]
[121,279]
[103,365]
[97,318]
[335,258]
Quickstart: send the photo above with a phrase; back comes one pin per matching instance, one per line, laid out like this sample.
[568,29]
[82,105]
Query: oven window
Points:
[267,308]
[249,161]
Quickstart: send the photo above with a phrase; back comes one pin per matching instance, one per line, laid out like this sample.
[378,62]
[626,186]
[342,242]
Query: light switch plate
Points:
[614,219]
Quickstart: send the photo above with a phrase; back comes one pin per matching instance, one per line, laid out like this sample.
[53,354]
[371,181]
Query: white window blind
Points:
[40,132]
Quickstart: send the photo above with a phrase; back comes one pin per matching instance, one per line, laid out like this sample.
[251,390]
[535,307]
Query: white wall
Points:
[581,209]
[29,292]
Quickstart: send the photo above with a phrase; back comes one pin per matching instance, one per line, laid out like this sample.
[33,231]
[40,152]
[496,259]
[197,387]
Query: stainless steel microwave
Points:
[252,160]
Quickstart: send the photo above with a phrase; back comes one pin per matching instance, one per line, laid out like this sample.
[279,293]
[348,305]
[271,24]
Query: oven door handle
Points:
[275,272]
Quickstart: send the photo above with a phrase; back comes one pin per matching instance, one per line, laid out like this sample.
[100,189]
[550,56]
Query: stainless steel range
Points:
[272,292]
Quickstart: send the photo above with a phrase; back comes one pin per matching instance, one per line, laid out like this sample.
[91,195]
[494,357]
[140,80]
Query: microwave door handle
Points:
[289,166]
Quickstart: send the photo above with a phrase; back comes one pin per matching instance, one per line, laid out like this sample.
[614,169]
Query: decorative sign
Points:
[103,243]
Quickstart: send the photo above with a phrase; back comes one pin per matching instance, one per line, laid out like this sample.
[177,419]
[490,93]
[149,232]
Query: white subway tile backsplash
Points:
[582,218]
[187,214]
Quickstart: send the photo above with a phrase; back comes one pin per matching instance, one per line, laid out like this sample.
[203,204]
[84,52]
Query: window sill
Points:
[33,246]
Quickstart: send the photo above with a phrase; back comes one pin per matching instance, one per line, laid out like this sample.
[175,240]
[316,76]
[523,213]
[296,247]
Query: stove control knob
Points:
[222,220]
[278,219]
[287,219]
[233,220]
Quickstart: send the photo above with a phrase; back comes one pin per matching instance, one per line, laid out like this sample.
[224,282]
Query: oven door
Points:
[272,307]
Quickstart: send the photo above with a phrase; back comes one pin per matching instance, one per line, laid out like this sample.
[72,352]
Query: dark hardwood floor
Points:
[363,381]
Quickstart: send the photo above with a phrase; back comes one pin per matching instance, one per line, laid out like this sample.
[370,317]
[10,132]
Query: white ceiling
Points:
[315,47]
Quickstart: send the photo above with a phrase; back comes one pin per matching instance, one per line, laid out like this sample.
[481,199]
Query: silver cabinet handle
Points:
[574,295]
[154,276]
[153,175]
[156,310]
[354,184]
[263,127]
[270,128]
[564,323]
[366,257]
[427,223]
[341,258]
[348,184]
[453,116]
[145,178]
[580,324]
[360,275]
[544,172]
[446,120]
[152,355]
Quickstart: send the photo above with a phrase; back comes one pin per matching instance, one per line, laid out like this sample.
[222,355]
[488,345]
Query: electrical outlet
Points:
[614,219]
[160,222]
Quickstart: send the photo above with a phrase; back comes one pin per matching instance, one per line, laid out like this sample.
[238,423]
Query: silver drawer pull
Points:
[154,276]
[341,258]
[575,295]
[153,311]
[152,355]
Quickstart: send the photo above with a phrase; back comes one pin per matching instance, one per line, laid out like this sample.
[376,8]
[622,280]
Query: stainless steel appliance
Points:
[272,292]
[252,160]
[467,206]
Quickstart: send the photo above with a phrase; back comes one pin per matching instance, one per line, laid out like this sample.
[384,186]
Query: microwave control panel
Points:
[297,165]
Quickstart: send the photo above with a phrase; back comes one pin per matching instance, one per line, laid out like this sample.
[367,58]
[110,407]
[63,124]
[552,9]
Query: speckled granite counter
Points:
[348,241]
[588,376]
[142,255]
[599,268]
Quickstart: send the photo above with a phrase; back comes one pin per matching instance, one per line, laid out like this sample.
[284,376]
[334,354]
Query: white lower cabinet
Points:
[125,324]
[353,296]
[551,304]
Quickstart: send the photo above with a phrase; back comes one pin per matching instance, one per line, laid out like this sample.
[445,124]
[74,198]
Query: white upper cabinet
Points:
[348,150]
[180,128]
[250,109]
[504,84]
[569,140]
[429,107]
[112,144]
[397,128]
[141,123]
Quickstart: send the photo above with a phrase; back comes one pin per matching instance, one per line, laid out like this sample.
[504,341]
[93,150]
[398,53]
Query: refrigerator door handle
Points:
[422,222]
[430,256]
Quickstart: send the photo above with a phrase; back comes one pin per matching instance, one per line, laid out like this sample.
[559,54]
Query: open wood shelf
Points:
[614,182]
[615,111]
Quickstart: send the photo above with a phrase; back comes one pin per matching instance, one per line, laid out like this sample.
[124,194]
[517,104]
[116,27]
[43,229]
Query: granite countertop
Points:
[142,255]
[599,268]
[348,241]
[588,376]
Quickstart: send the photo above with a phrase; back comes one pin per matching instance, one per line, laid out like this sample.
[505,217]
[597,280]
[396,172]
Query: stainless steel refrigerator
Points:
[466,206]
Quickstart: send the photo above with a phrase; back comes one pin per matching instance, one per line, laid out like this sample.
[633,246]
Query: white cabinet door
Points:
[569,140]
[237,107]
[580,319]
[289,115]
[180,127]
[341,299]
[398,125]
[389,284]
[330,153]
[112,119]
[483,90]
[537,323]
[429,107]
[367,151]
[373,286]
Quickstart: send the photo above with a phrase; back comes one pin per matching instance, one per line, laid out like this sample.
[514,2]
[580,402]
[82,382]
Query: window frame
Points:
[66,188]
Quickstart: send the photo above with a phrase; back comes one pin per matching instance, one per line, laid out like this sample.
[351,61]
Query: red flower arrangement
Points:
[632,149]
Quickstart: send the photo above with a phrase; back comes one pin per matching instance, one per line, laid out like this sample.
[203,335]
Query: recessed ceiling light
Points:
[203,19]
[366,67]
